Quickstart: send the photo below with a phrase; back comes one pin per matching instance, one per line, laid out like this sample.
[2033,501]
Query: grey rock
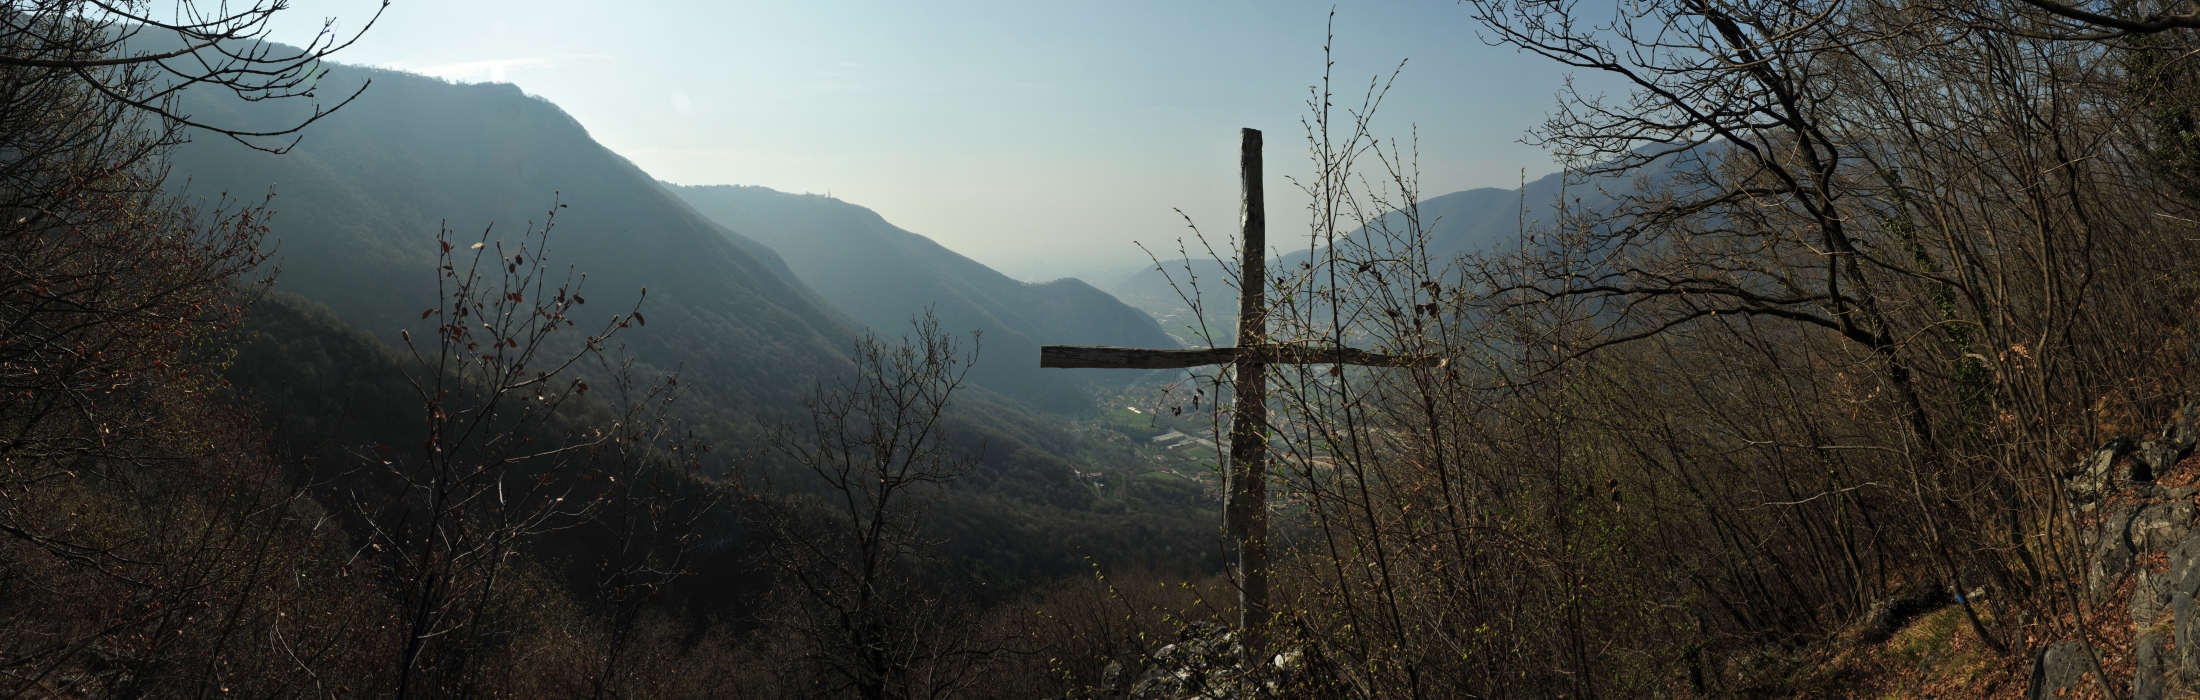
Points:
[2133,530]
[2156,457]
[2150,678]
[1203,662]
[2185,428]
[2060,666]
[2149,597]
[2186,627]
[2092,479]
[2112,554]
[2156,527]
[2183,573]
[2138,518]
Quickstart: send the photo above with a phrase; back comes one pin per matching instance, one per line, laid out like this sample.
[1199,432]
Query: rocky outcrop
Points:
[2127,520]
[2060,666]
[1204,662]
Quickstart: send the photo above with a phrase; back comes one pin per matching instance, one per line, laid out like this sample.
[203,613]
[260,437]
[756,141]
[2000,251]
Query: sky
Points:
[1046,139]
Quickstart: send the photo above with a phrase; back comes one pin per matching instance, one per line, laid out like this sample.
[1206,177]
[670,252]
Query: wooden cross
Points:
[1245,489]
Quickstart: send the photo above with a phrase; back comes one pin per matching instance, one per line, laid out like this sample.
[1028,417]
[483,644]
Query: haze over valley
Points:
[1497,348]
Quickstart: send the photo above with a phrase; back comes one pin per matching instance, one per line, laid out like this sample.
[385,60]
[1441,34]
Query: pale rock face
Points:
[2150,519]
[1206,661]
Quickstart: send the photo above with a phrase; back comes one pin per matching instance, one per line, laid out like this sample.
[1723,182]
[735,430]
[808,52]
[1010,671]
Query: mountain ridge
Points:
[882,274]
[358,205]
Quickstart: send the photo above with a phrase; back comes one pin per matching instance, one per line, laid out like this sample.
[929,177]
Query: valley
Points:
[367,348]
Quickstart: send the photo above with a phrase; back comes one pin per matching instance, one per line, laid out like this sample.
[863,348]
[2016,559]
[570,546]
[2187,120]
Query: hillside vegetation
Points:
[1853,352]
[359,208]
[883,275]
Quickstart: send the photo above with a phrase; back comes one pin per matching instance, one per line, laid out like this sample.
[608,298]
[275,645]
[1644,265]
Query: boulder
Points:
[2161,529]
[2060,666]
[2132,530]
[2157,527]
[2090,484]
[2111,553]
[2185,427]
[1117,683]
[2157,457]
[1204,662]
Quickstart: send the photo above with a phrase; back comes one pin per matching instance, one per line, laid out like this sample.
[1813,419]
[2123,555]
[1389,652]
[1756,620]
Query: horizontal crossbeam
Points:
[1109,357]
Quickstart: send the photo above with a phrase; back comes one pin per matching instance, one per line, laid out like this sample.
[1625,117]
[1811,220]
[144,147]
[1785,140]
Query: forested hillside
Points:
[362,202]
[1853,352]
[457,396]
[1456,224]
[1439,230]
[359,211]
[883,275]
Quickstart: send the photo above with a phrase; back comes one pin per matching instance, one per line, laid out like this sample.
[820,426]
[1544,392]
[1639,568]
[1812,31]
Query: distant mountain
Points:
[359,201]
[1460,223]
[882,275]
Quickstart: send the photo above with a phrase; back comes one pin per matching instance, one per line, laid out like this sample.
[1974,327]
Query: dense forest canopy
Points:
[1835,361]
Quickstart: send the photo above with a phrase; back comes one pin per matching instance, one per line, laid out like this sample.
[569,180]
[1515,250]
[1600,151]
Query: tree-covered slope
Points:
[360,201]
[1457,224]
[358,204]
[882,275]
[1468,222]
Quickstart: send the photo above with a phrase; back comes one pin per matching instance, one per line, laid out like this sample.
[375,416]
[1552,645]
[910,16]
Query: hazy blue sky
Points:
[1038,137]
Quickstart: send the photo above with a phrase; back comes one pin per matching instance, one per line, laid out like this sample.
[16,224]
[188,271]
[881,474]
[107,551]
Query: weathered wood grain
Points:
[1245,493]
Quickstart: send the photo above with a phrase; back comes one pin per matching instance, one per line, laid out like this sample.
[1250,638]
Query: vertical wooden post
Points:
[1245,505]
[1245,489]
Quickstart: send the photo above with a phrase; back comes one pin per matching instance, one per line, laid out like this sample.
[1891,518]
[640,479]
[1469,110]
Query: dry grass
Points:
[1935,656]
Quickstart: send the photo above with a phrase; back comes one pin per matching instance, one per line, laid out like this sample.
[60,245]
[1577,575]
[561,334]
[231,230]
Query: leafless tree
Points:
[848,550]
[500,462]
[1833,294]
[94,258]
[2120,19]
[128,56]
[115,310]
